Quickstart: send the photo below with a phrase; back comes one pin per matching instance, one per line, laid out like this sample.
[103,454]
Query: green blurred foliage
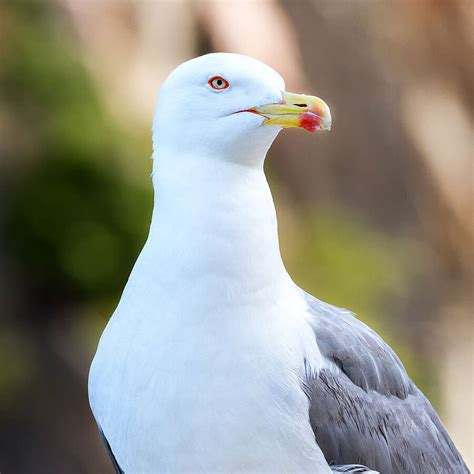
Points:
[17,374]
[77,225]
[78,219]
[343,260]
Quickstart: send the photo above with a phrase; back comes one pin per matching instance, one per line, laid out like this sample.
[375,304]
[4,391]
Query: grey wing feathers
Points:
[365,409]
[118,469]
[352,469]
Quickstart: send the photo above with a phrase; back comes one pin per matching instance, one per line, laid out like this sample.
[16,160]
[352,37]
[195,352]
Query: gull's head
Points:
[230,107]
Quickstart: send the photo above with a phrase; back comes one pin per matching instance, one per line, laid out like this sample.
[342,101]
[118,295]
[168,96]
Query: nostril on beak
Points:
[301,105]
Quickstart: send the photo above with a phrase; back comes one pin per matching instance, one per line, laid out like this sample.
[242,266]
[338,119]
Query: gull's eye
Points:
[218,83]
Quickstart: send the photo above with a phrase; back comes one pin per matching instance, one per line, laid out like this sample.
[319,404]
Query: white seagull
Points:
[214,360]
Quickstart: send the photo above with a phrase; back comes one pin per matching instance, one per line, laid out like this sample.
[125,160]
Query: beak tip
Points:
[327,124]
[313,122]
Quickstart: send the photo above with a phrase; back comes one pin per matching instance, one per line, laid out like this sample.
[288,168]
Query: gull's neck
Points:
[214,227]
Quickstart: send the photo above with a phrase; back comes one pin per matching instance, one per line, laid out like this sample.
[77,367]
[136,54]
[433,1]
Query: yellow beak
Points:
[296,110]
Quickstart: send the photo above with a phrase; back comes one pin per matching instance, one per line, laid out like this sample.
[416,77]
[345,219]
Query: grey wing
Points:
[353,469]
[365,409]
[118,469]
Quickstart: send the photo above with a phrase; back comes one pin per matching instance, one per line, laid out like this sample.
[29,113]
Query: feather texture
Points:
[368,410]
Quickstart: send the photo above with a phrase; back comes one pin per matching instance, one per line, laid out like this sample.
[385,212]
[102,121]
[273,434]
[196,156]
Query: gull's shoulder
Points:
[357,350]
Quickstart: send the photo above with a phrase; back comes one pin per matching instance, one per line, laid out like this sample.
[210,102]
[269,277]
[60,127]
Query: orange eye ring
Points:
[218,83]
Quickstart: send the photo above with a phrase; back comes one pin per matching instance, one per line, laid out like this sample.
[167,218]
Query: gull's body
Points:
[214,360]
[199,349]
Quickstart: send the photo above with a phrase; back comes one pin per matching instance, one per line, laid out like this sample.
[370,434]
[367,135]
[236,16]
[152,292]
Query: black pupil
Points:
[219,82]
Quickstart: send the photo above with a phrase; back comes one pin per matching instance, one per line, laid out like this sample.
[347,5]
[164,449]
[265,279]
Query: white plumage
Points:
[199,368]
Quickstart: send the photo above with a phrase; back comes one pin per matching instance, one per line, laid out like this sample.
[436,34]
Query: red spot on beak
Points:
[310,122]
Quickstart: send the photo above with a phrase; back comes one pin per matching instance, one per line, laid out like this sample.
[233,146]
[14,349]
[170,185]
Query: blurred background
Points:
[376,216]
